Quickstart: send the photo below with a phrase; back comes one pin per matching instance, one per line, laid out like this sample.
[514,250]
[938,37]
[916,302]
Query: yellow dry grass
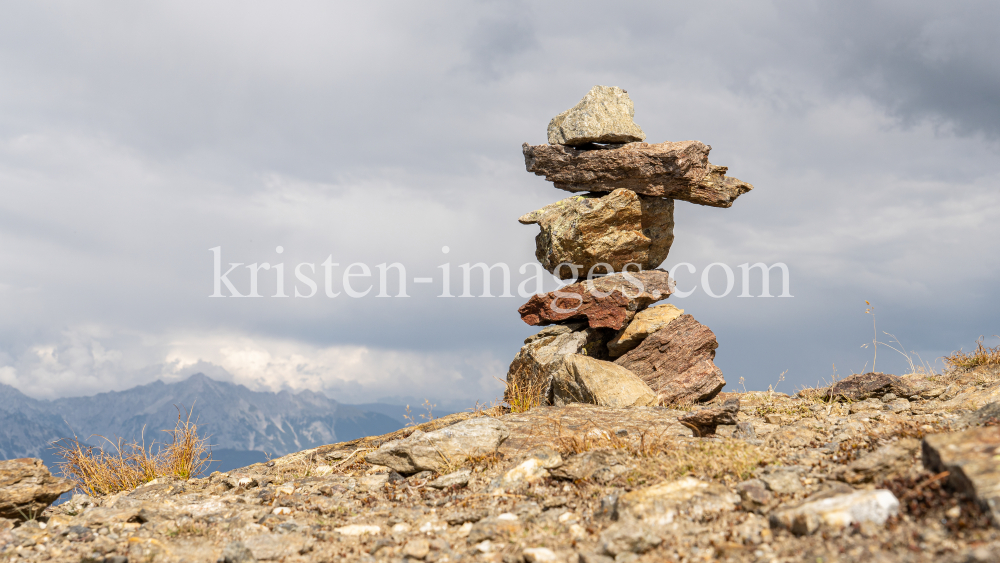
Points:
[125,466]
[523,395]
[728,461]
[669,457]
[981,356]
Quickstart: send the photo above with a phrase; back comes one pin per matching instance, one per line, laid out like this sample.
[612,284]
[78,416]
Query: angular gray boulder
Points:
[581,379]
[27,488]
[441,449]
[604,115]
[531,371]
[617,229]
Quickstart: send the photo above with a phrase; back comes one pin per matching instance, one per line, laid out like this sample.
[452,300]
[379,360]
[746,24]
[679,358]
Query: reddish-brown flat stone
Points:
[705,421]
[606,302]
[675,170]
[861,386]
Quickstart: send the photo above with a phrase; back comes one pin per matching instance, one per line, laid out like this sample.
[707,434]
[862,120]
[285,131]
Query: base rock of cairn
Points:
[542,355]
[609,346]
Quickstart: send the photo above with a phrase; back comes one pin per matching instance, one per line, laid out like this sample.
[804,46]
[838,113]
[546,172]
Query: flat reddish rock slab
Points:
[677,362]
[972,460]
[675,170]
[606,302]
[861,386]
[705,421]
[546,426]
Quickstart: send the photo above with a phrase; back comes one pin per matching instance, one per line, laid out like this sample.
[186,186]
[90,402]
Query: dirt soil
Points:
[327,504]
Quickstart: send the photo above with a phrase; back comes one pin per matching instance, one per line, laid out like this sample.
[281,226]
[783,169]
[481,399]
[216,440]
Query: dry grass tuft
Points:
[596,439]
[130,465]
[494,408]
[728,461]
[523,395]
[981,356]
[411,420]
[762,403]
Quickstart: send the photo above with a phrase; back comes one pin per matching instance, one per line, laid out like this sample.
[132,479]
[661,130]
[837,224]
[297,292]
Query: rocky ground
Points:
[834,474]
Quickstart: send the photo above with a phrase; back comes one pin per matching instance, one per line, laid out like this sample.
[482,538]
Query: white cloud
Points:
[82,362]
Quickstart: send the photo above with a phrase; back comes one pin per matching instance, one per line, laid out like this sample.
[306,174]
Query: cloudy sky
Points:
[134,138]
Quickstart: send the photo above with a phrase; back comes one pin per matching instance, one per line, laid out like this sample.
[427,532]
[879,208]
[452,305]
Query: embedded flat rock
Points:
[837,511]
[604,115]
[548,426]
[436,450]
[605,302]
[617,229]
[678,170]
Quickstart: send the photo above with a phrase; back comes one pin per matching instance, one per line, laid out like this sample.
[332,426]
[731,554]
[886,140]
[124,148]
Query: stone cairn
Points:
[603,343]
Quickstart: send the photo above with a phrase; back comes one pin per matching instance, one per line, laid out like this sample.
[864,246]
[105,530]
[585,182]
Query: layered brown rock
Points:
[677,362]
[27,488]
[618,229]
[705,421]
[861,386]
[676,170]
[605,302]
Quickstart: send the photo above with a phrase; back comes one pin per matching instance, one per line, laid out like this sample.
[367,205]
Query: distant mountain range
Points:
[243,426]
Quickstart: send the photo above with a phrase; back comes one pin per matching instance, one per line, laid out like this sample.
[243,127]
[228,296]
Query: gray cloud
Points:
[137,139]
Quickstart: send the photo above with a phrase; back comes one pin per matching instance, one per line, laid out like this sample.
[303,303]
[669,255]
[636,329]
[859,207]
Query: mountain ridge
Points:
[232,416]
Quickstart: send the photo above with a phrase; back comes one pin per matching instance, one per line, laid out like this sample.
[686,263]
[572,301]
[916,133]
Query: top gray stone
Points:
[604,115]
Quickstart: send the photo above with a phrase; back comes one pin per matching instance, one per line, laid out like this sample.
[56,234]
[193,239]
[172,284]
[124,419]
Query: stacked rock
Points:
[607,346]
